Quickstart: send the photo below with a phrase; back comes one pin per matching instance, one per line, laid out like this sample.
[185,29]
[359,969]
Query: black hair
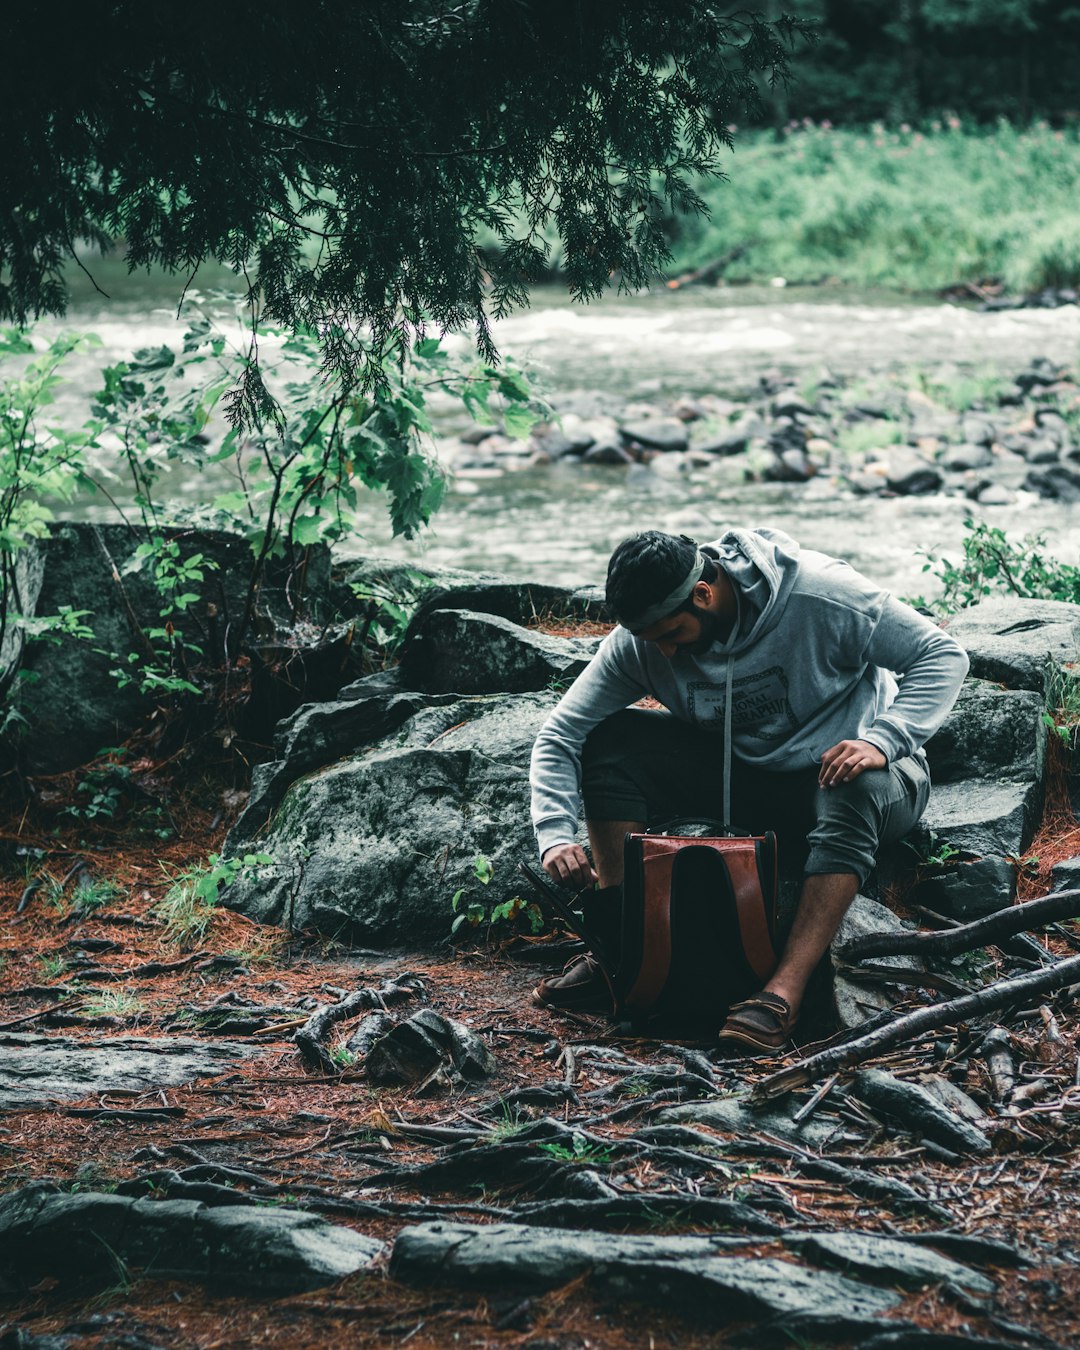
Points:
[648,566]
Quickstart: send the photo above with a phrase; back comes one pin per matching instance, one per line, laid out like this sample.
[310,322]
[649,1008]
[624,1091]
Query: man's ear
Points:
[704,595]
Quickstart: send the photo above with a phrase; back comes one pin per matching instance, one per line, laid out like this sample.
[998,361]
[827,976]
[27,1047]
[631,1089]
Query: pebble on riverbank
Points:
[984,439]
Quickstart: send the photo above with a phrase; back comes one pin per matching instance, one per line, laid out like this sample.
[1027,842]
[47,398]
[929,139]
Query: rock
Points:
[1041,371]
[608,453]
[1065,876]
[1014,641]
[791,466]
[35,1069]
[969,890]
[994,494]
[319,733]
[735,1115]
[791,404]
[980,818]
[915,1109]
[374,846]
[966,456]
[660,433]
[670,1271]
[425,1044]
[460,651]
[556,444]
[885,1260]
[954,1099]
[978,431]
[76,706]
[477,433]
[1042,450]
[1059,483]
[727,443]
[910,475]
[246,1249]
[990,734]
[855,1000]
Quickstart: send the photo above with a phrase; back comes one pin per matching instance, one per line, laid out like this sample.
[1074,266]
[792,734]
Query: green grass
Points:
[864,436]
[114,1003]
[916,209]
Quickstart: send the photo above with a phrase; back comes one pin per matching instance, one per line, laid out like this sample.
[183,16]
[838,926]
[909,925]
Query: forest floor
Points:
[354,1151]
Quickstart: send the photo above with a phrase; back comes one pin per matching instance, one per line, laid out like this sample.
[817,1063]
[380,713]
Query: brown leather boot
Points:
[581,987]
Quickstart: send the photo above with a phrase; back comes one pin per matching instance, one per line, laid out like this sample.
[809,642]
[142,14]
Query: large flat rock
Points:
[37,1069]
[243,1248]
[1016,641]
[681,1272]
[982,817]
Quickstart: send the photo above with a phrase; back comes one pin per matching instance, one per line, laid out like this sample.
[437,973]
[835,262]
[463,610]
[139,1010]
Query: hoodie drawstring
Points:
[727,745]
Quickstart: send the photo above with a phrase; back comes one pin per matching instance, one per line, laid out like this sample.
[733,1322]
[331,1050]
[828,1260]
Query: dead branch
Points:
[912,1025]
[980,933]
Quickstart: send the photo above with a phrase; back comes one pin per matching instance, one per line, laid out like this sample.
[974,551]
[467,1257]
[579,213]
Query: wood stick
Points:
[918,1023]
[980,933]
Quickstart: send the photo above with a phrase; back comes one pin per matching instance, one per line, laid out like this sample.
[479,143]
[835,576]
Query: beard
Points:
[713,630]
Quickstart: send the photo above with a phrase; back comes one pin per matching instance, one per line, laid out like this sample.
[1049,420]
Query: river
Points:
[559,523]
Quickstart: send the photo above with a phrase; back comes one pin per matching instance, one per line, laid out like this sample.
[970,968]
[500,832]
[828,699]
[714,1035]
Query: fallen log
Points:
[911,1025]
[979,933]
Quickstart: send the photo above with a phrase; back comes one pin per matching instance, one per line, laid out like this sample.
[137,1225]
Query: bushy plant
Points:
[994,564]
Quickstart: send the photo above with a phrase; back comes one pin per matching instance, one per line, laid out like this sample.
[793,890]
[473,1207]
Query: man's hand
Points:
[569,865]
[846,761]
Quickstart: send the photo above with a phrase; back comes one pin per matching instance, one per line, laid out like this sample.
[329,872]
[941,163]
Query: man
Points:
[783,657]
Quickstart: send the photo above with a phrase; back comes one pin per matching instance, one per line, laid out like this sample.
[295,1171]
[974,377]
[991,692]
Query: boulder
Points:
[244,1249]
[966,456]
[990,734]
[1015,641]
[374,845]
[1065,876]
[856,1000]
[1058,483]
[461,651]
[75,706]
[36,1069]
[969,890]
[428,1045]
[980,818]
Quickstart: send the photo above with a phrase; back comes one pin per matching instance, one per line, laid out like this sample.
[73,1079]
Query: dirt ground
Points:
[316,1137]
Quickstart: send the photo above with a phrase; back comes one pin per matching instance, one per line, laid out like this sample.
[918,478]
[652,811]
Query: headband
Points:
[670,603]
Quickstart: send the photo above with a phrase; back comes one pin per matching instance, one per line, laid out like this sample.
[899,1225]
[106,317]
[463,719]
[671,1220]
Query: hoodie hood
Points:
[762,566]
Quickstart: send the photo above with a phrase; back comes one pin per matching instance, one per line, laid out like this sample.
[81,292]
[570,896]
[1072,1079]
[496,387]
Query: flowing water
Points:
[559,523]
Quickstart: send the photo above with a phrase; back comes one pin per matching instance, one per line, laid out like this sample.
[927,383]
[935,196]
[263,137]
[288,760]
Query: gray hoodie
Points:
[807,664]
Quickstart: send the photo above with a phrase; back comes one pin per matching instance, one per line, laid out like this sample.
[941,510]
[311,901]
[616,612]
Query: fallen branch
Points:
[980,933]
[916,1024]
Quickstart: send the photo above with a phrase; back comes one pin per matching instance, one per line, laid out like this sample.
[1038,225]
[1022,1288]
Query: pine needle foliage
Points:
[343,156]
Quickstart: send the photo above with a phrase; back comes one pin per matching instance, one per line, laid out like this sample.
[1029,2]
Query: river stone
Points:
[1015,641]
[374,846]
[917,1110]
[657,433]
[735,1115]
[36,1069]
[977,430]
[458,650]
[884,1260]
[966,456]
[1058,482]
[910,475]
[855,1000]
[969,890]
[247,1249]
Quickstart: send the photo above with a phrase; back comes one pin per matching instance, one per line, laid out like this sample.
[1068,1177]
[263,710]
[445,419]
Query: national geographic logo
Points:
[760,705]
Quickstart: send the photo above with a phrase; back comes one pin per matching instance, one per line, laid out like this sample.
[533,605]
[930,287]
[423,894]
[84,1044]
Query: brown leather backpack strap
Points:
[658,859]
[751,907]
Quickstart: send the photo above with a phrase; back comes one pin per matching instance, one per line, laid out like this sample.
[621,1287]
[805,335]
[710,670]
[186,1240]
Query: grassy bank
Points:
[915,208]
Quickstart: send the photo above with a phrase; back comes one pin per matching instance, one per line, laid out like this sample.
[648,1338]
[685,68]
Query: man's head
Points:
[664,589]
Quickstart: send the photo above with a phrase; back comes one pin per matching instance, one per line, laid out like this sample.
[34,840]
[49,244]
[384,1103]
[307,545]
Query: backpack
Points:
[691,930]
